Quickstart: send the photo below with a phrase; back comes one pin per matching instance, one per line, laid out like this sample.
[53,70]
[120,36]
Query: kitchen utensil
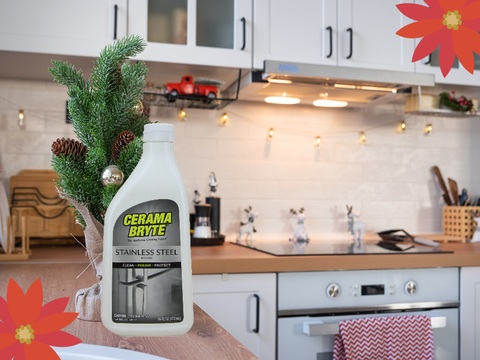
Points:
[463,197]
[97,352]
[445,195]
[4,214]
[453,190]
[391,236]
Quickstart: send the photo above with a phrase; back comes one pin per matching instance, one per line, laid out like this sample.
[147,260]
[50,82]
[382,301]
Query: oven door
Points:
[293,343]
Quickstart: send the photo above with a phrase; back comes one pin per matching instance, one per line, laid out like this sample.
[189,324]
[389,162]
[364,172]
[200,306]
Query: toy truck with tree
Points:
[202,88]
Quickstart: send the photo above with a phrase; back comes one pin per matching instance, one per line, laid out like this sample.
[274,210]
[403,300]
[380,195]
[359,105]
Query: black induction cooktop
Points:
[335,247]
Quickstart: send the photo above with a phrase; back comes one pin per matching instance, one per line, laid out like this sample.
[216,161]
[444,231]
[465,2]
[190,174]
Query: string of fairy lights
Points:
[224,119]
[362,137]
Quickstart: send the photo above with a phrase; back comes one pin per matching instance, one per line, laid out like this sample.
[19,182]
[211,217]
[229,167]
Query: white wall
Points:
[388,179]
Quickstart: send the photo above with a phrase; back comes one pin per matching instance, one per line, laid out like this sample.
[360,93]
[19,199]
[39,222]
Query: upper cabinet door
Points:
[80,28]
[367,35]
[303,31]
[203,32]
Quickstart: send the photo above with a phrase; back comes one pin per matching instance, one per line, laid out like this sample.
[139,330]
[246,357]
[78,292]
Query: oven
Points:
[310,305]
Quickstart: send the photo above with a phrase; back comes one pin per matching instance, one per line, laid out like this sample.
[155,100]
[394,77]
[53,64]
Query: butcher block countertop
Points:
[230,258]
[206,339]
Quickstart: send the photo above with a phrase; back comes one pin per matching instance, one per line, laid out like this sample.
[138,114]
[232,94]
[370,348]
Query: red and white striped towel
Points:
[385,338]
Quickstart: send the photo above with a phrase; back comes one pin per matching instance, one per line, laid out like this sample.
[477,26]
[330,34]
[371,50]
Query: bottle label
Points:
[147,273]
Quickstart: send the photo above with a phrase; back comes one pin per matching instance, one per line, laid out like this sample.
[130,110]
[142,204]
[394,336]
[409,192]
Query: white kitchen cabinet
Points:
[295,31]
[363,33]
[235,301]
[202,32]
[367,35]
[60,26]
[469,313]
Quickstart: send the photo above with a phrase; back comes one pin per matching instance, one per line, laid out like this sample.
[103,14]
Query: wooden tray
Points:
[207,241]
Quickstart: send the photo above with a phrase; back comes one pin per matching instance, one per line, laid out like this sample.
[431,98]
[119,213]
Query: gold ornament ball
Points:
[112,175]
[138,108]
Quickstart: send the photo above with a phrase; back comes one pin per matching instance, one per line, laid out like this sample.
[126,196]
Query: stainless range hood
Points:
[310,82]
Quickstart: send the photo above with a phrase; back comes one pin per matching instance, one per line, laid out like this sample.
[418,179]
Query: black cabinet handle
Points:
[115,22]
[351,42]
[331,41]
[429,59]
[244,32]
[257,325]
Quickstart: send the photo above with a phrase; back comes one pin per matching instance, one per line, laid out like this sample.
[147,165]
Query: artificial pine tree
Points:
[101,109]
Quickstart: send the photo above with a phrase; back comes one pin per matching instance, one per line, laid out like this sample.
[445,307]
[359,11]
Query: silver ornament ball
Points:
[112,175]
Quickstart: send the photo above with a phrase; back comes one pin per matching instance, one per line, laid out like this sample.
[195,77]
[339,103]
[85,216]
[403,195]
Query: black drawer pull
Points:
[351,42]
[331,41]
[244,32]
[115,14]
[257,326]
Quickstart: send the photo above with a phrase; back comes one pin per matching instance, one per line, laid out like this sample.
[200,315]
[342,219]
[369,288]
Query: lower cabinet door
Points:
[470,313]
[244,305]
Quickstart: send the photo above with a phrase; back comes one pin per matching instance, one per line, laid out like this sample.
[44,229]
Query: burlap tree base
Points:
[88,301]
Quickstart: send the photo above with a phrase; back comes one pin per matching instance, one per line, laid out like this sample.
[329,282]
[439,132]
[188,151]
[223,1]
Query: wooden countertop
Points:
[230,258]
[205,340]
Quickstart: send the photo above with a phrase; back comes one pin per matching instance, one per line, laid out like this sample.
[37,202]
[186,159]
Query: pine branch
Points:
[65,74]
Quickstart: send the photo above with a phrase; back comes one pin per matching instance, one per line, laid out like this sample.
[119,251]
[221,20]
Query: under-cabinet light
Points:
[284,100]
[403,126]
[344,86]
[318,143]
[330,103]
[364,87]
[279,81]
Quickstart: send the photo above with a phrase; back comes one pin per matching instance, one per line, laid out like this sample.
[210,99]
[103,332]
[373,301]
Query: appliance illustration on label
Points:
[147,281]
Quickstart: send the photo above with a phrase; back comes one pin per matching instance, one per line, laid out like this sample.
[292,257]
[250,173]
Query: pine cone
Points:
[121,142]
[146,108]
[69,147]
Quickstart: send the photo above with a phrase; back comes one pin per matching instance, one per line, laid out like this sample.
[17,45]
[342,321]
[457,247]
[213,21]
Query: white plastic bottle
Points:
[147,276]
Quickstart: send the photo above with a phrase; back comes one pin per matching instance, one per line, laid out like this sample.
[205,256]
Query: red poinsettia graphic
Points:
[452,24]
[28,329]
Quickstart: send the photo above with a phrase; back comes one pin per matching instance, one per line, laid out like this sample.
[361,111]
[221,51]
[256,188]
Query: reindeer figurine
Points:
[300,233]
[247,228]
[476,233]
[357,229]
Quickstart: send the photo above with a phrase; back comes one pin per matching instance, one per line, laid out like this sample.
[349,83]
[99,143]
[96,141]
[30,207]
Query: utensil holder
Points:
[458,222]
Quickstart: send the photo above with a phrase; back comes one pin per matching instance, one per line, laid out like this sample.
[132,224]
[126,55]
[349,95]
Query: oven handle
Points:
[374,308]
[317,328]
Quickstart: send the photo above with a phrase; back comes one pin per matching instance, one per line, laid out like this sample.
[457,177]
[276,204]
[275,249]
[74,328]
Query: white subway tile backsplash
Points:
[223,169]
[365,153]
[388,179]
[306,190]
